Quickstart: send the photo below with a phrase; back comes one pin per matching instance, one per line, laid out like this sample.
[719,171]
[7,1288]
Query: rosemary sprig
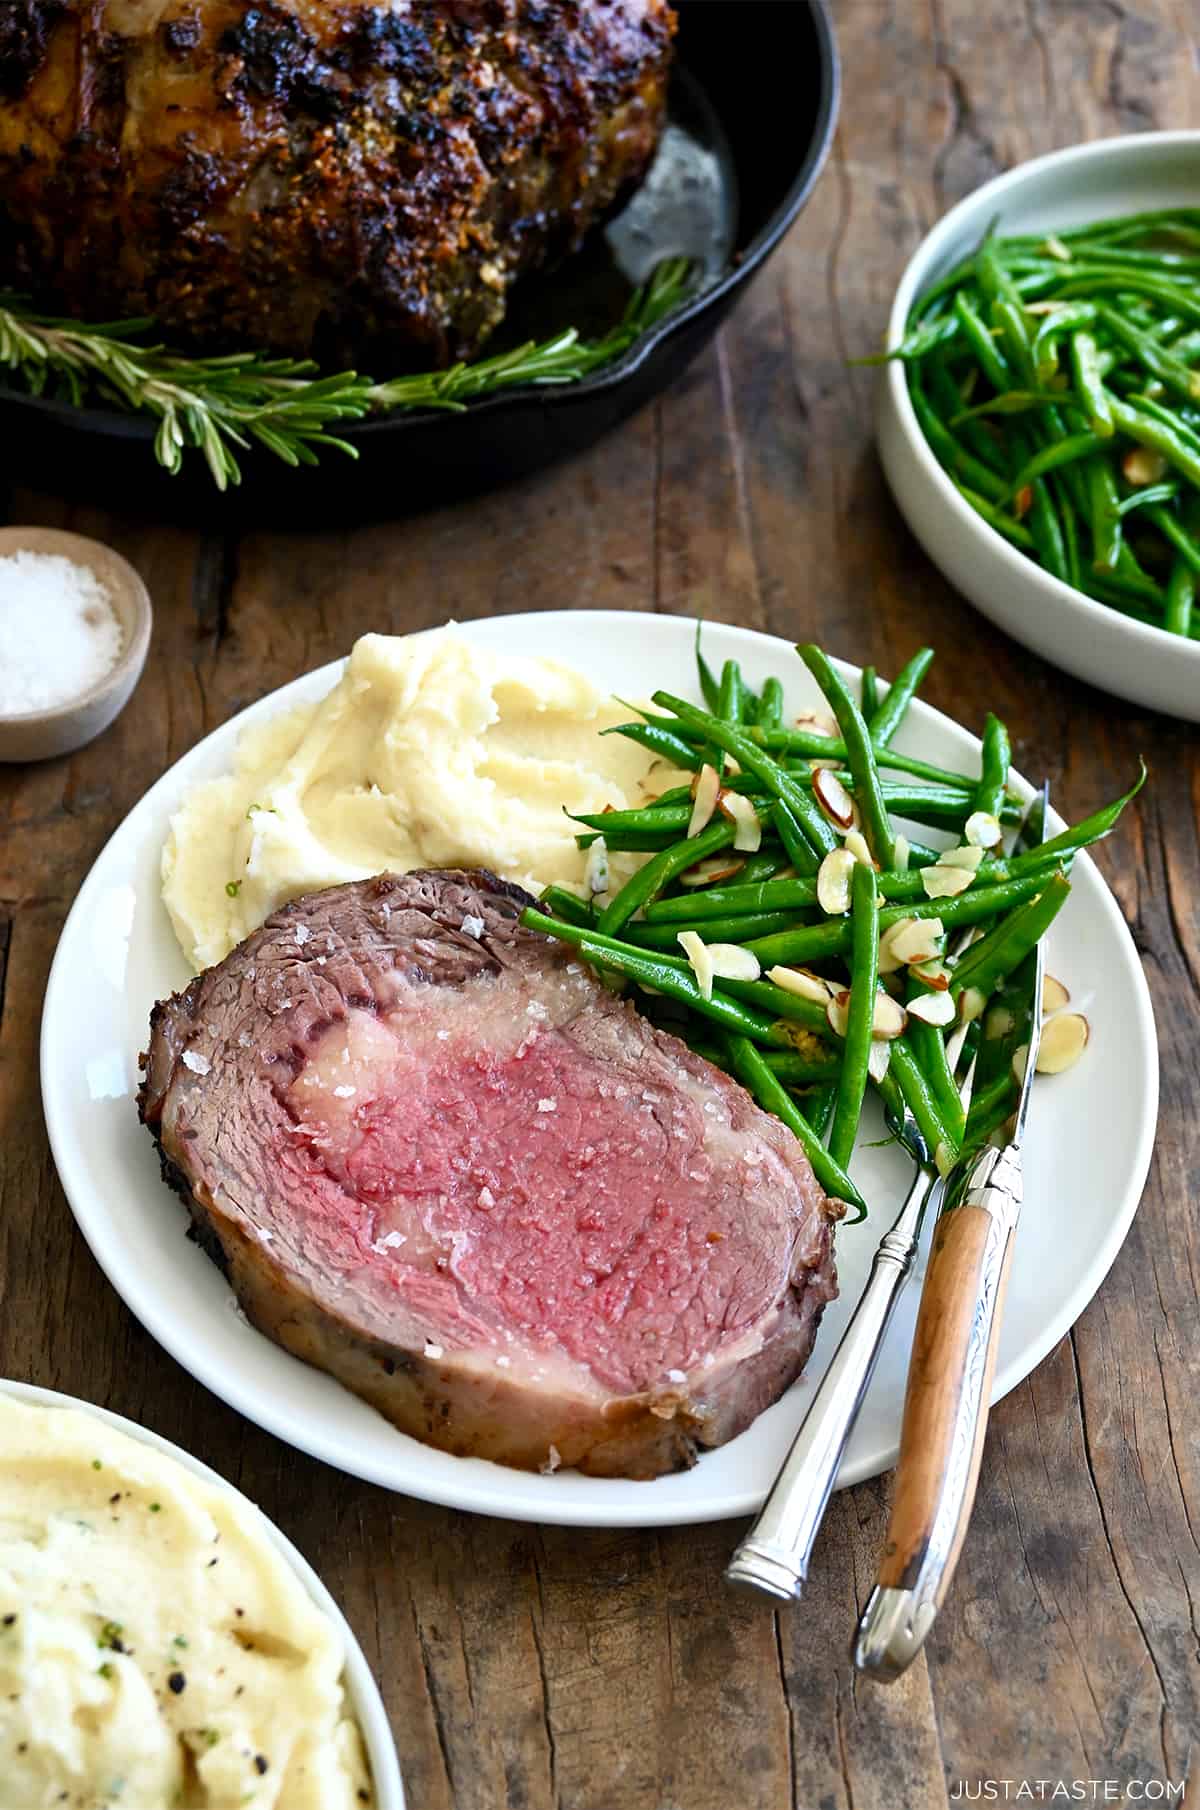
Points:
[220,406]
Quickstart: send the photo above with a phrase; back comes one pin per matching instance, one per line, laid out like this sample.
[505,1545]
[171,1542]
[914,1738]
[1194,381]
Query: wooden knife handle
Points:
[945,1410]
[949,1387]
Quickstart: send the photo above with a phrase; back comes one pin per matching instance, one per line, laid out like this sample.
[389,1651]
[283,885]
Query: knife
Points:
[950,1377]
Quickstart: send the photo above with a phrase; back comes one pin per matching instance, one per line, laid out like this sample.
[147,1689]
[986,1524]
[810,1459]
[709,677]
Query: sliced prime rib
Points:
[438,1159]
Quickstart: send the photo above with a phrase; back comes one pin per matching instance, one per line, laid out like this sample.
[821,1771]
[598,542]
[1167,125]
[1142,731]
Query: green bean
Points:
[995,759]
[860,753]
[1178,420]
[869,693]
[1186,546]
[731,704]
[768,1090]
[1105,513]
[804,858]
[818,1109]
[1153,493]
[918,1096]
[1082,835]
[1155,358]
[1060,491]
[860,1012]
[929,1048]
[818,942]
[740,899]
[763,866]
[1050,458]
[710,689]
[996,1110]
[987,962]
[956,458]
[660,742]
[770,709]
[1065,318]
[1046,529]
[894,708]
[1143,428]
[753,759]
[1181,597]
[560,903]
[1098,280]
[796,1070]
[716,930]
[779,1004]
[1085,369]
[650,880]
[995,518]
[982,344]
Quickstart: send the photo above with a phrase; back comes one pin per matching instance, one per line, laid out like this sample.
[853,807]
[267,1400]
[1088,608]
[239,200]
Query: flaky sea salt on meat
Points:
[199,1065]
[472,926]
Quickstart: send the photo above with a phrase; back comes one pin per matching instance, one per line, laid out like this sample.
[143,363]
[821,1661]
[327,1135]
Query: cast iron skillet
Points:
[753,106]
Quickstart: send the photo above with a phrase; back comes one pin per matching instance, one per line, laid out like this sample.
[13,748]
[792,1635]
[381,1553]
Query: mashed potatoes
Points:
[428,753]
[155,1648]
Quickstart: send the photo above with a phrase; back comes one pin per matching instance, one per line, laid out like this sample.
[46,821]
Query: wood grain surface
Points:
[559,1670]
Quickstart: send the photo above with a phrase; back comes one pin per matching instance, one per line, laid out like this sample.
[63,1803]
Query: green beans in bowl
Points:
[1039,415]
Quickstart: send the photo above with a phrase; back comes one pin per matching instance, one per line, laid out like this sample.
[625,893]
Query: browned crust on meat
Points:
[438,1401]
[320,176]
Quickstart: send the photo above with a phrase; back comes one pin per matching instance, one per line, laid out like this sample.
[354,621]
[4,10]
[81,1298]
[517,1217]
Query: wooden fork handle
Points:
[945,1411]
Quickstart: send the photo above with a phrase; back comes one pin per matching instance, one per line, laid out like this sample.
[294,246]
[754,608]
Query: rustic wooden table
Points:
[534,1668]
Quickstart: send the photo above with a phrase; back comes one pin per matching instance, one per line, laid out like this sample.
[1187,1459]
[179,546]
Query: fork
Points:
[774,1556]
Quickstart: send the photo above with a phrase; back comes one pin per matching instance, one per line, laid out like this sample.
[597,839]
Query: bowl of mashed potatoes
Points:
[162,1645]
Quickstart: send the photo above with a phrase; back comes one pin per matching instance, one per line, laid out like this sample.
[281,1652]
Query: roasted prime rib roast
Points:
[356,181]
[438,1159]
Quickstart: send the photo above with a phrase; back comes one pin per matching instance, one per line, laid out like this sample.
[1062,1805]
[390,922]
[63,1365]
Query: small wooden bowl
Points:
[43,734]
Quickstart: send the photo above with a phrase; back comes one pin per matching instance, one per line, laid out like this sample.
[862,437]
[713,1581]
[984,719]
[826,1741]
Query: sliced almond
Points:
[943,1158]
[856,842]
[729,961]
[983,830]
[836,1012]
[944,882]
[595,868]
[813,723]
[933,1008]
[1064,1039]
[740,811]
[1054,996]
[802,983]
[971,1004]
[833,798]
[699,960]
[900,854]
[879,1058]
[833,882]
[934,974]
[889,1018]
[707,873]
[706,790]
[889,961]
[823,763]
[917,939]
[1143,466]
[1020,1062]
[998,1023]
[1023,501]
[966,855]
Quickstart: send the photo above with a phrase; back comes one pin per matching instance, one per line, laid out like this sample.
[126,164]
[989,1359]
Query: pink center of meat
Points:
[566,1202]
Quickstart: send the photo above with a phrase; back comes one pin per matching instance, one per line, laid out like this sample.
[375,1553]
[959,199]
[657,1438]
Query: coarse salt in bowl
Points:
[75,624]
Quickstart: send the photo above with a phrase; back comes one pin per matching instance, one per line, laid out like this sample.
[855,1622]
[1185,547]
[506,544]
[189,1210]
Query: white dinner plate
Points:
[362,1692]
[1088,1146]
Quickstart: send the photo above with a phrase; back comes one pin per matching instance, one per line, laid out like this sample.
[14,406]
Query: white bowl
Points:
[1096,643]
[361,1689]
